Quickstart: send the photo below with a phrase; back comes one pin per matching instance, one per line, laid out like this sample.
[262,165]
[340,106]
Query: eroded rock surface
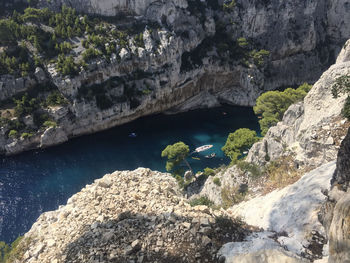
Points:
[138,216]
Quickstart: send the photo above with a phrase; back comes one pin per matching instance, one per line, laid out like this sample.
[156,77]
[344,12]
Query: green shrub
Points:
[90,54]
[259,57]
[238,142]
[13,134]
[26,135]
[342,85]
[66,65]
[203,200]
[229,5]
[16,250]
[208,172]
[50,124]
[346,108]
[55,98]
[242,42]
[139,40]
[217,181]
[271,105]
[25,105]
[253,169]
[232,195]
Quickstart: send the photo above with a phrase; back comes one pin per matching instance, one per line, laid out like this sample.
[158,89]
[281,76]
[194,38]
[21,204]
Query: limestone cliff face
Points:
[311,130]
[302,37]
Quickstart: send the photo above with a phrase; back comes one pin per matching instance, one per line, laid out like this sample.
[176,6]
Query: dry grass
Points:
[281,173]
[231,195]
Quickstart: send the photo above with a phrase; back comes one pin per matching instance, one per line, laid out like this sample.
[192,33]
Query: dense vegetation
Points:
[52,36]
[271,105]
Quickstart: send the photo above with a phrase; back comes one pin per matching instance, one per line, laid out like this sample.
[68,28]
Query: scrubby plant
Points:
[342,85]
[66,65]
[15,252]
[26,135]
[271,105]
[251,168]
[238,142]
[25,105]
[346,108]
[282,172]
[232,195]
[208,172]
[229,5]
[259,57]
[55,98]
[50,124]
[217,181]
[13,134]
[203,200]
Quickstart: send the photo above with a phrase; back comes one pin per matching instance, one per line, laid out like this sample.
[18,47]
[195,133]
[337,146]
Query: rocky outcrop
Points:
[335,213]
[10,86]
[291,210]
[339,238]
[129,216]
[258,247]
[312,129]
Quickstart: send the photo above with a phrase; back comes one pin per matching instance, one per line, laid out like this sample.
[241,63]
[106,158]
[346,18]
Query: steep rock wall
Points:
[335,213]
[312,129]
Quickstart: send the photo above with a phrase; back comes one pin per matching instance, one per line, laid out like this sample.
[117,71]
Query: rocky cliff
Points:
[312,133]
[308,136]
[191,54]
[335,213]
[130,216]
[311,130]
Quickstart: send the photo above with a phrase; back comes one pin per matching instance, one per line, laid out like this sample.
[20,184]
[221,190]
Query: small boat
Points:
[203,148]
[132,135]
[212,155]
[196,158]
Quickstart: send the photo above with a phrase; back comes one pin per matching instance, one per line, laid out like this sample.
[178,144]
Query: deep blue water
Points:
[40,181]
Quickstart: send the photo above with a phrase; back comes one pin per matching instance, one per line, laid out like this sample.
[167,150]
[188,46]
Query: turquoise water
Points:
[39,181]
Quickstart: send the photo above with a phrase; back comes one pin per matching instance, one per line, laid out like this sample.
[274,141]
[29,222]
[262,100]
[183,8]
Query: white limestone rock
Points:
[53,136]
[292,209]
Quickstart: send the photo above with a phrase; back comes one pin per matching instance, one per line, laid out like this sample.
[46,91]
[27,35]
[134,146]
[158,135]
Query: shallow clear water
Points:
[39,181]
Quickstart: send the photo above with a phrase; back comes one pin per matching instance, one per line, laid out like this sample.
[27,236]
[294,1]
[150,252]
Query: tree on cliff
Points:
[271,105]
[238,142]
[176,154]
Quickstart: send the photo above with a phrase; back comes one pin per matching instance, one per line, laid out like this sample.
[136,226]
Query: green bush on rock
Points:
[176,154]
[208,172]
[271,105]
[238,142]
[342,85]
[203,200]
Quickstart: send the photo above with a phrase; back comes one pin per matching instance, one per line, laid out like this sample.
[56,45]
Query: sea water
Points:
[38,181]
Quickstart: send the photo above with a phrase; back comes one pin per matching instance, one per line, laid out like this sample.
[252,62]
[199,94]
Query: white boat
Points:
[203,148]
